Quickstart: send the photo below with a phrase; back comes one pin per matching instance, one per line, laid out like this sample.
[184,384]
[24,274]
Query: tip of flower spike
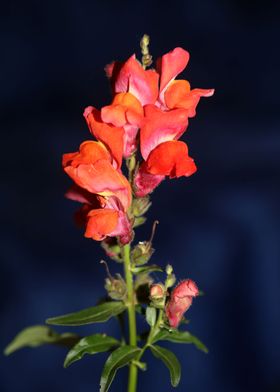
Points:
[146,57]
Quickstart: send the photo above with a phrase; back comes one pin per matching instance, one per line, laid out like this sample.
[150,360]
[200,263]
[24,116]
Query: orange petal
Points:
[172,159]
[101,178]
[111,136]
[101,223]
[89,152]
[124,109]
[176,93]
[179,95]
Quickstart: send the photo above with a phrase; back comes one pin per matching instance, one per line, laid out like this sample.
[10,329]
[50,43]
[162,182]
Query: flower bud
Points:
[112,249]
[140,206]
[169,269]
[157,291]
[170,280]
[180,301]
[142,253]
[116,287]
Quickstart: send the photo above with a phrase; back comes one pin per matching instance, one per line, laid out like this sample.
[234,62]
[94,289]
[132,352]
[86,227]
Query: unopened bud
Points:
[170,280]
[141,253]
[112,249]
[116,287]
[131,163]
[157,291]
[169,269]
[180,301]
[140,206]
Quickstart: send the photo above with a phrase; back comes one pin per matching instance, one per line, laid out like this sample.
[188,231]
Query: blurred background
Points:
[220,227]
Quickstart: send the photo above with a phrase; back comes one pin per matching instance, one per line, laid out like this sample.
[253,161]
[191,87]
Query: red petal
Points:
[134,79]
[125,111]
[111,136]
[170,65]
[171,158]
[81,195]
[160,127]
[145,182]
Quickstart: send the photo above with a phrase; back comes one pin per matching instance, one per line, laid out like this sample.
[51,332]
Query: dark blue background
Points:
[220,227]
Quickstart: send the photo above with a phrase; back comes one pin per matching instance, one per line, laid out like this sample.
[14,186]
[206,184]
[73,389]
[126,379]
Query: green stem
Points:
[132,380]
[153,332]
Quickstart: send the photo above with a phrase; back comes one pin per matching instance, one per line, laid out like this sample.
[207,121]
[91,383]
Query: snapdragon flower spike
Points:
[180,301]
[104,191]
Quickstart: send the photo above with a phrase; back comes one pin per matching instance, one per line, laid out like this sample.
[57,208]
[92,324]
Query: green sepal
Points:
[151,315]
[95,314]
[120,357]
[146,269]
[140,206]
[112,249]
[138,221]
[90,345]
[141,253]
[116,287]
[176,336]
[170,361]
[38,335]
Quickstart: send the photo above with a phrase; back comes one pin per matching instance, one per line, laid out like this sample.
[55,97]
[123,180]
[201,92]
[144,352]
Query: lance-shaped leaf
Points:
[179,337]
[95,314]
[90,345]
[170,361]
[119,358]
[38,335]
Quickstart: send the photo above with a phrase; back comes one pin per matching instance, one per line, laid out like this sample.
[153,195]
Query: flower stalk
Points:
[132,381]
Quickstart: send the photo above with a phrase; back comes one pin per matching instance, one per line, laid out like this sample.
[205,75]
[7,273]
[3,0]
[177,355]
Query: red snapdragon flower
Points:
[103,190]
[168,103]
[180,301]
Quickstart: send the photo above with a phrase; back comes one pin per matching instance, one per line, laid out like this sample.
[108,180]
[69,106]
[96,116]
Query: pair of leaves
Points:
[176,336]
[38,335]
[95,314]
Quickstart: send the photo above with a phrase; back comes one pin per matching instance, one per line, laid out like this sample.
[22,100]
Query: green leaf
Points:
[170,361]
[176,336]
[119,358]
[90,345]
[150,268]
[95,314]
[38,335]
[151,315]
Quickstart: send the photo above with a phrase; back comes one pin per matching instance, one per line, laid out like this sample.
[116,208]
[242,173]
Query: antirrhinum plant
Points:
[149,112]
